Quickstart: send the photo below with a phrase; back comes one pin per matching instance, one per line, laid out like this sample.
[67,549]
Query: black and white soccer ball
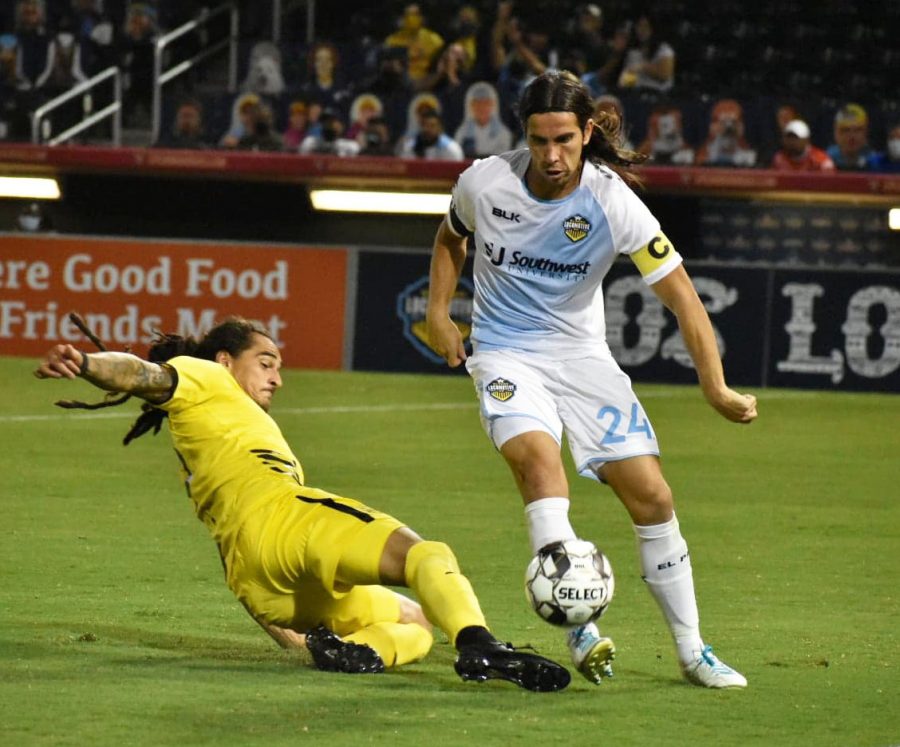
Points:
[569,583]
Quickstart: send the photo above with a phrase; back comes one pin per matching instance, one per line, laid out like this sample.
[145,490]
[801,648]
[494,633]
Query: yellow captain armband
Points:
[654,257]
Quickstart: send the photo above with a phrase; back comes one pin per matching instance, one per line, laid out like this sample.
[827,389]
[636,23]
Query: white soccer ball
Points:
[569,583]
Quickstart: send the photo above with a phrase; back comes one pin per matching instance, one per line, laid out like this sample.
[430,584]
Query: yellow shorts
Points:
[312,558]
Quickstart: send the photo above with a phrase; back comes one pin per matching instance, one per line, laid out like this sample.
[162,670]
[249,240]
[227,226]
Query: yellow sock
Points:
[395,643]
[445,594]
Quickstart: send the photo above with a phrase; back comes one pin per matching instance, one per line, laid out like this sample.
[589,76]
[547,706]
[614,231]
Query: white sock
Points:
[548,521]
[666,566]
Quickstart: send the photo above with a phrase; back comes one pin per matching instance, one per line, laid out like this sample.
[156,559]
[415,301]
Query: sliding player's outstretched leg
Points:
[482,657]
[449,601]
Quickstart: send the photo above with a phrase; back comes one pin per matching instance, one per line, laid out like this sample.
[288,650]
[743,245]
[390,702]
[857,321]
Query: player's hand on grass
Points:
[61,362]
[446,340]
[736,407]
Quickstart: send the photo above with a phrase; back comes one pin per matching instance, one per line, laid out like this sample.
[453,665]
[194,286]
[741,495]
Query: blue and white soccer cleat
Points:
[707,670]
[592,654]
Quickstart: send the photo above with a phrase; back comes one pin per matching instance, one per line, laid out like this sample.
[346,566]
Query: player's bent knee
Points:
[411,612]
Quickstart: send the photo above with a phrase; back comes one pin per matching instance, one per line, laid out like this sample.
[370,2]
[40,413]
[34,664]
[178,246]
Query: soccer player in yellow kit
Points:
[300,560]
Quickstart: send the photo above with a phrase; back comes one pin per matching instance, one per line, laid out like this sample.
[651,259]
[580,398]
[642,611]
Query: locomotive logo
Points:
[501,389]
[576,227]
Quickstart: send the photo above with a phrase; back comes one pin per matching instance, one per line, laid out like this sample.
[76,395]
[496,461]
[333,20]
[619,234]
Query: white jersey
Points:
[539,264]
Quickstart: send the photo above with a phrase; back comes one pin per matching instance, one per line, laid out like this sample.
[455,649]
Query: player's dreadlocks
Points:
[234,336]
[561,91]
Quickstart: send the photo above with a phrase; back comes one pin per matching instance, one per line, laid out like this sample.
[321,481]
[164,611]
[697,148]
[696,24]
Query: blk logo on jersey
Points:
[576,227]
[501,389]
[514,217]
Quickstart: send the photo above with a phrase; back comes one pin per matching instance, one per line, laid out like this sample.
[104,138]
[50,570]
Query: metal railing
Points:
[161,78]
[114,110]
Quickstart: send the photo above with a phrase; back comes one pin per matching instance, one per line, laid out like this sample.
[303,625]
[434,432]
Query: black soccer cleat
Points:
[496,660]
[331,654]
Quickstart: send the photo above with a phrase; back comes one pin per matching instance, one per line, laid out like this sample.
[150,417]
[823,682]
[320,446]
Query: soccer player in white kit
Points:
[548,222]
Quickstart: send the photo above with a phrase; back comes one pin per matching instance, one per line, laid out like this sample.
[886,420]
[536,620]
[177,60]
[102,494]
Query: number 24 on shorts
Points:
[636,424]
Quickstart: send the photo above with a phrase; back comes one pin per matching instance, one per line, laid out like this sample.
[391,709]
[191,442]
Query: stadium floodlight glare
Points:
[358,201]
[894,219]
[29,187]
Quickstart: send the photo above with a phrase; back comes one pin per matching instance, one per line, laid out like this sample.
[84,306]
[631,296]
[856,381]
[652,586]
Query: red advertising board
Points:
[126,289]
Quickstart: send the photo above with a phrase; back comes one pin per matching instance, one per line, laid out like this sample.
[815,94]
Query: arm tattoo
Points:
[123,372]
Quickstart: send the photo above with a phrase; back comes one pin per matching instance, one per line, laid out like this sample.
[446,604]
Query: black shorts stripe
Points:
[331,503]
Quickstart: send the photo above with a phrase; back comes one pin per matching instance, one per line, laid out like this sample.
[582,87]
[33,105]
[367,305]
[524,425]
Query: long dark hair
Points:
[233,335]
[561,91]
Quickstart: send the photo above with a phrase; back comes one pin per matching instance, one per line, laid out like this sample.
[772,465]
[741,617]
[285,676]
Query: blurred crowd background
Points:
[785,84]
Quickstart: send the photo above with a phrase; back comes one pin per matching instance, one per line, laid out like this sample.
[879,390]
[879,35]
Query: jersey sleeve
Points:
[461,217]
[656,259]
[197,381]
[638,235]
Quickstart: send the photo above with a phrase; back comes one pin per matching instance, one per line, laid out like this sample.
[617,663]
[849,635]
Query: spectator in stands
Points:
[449,70]
[603,75]
[261,134]
[63,63]
[797,153]
[421,44]
[772,138]
[241,120]
[889,161]
[515,61]
[364,108]
[331,140]
[187,129]
[726,144]
[418,105]
[449,82]
[466,31]
[515,48]
[298,125]
[850,150]
[33,44]
[33,219]
[264,74]
[430,142]
[13,118]
[377,138]
[584,31]
[325,83]
[482,133]
[136,60]
[95,36]
[610,103]
[649,61]
[665,143]
[391,84]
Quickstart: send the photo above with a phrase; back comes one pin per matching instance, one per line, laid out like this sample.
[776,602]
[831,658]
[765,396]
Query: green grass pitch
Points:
[116,627]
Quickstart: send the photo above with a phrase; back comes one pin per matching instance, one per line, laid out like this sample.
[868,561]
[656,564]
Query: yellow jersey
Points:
[233,456]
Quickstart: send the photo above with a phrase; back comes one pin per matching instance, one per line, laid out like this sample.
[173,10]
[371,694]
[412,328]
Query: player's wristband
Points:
[82,369]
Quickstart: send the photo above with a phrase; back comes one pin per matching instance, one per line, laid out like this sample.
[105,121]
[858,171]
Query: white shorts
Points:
[589,399]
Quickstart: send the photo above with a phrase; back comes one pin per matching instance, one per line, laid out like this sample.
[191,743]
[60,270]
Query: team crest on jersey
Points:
[576,227]
[501,389]
[412,304]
